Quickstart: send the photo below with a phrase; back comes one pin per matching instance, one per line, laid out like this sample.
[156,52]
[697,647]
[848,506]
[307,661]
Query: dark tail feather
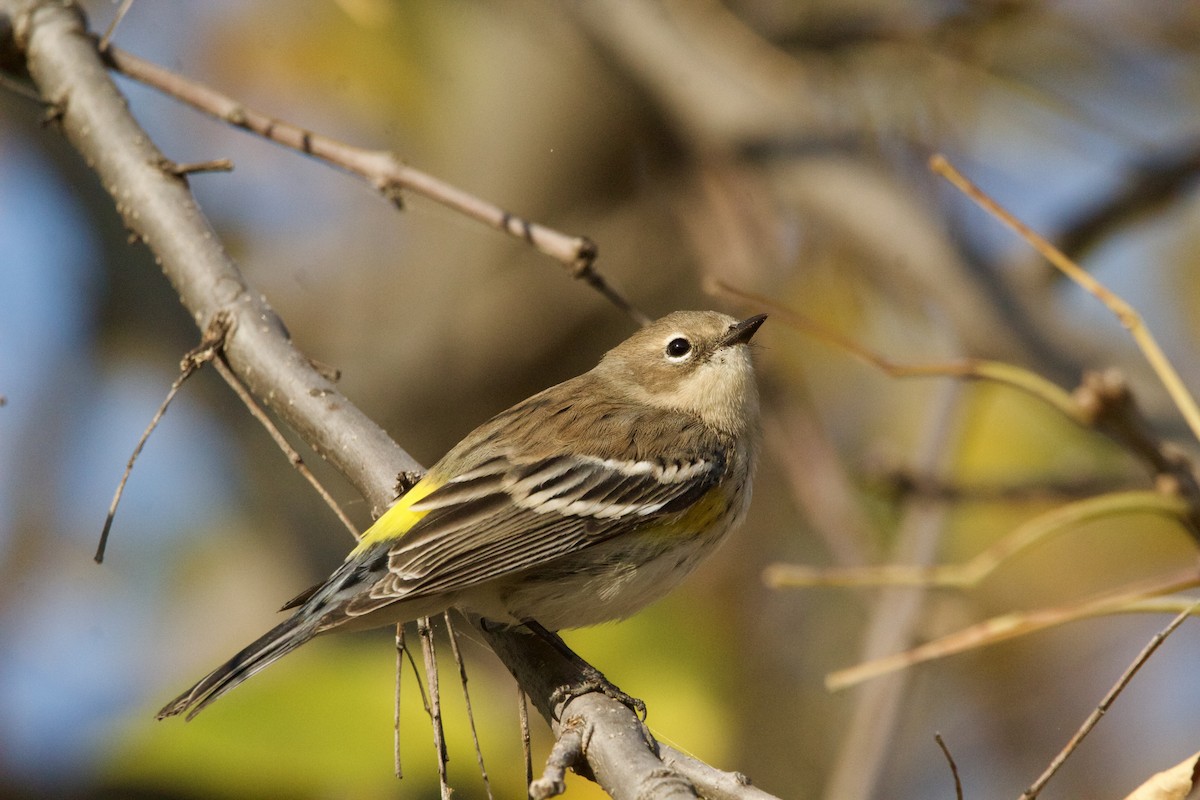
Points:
[274,644]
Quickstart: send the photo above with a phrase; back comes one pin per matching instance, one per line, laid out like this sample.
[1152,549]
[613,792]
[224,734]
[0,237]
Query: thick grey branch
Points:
[619,752]
[712,783]
[158,208]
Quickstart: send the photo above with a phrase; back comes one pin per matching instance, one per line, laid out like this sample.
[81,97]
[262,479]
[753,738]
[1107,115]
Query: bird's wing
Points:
[505,516]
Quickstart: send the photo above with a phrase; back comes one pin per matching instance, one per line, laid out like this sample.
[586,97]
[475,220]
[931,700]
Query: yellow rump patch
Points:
[400,518]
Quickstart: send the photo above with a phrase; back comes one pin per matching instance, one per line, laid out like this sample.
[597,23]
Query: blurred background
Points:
[777,145]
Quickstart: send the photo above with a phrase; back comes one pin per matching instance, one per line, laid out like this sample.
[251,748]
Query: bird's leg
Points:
[593,679]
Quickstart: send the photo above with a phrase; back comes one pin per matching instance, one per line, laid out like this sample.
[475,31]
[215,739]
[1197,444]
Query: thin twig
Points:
[1125,313]
[1102,402]
[462,675]
[1009,626]
[182,168]
[17,87]
[970,573]
[1161,605]
[210,345]
[281,441]
[899,483]
[112,26]
[383,170]
[526,746]
[416,671]
[400,650]
[966,368]
[137,450]
[565,752]
[1108,404]
[958,789]
[1155,642]
[425,631]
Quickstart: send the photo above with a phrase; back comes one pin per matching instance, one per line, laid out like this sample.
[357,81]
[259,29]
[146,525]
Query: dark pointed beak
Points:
[741,332]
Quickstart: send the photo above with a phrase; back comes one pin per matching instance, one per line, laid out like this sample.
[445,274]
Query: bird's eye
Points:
[678,347]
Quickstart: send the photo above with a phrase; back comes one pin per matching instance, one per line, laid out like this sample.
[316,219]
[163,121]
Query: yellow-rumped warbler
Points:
[577,506]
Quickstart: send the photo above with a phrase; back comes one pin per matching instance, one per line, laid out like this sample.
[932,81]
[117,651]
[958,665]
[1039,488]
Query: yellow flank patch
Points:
[400,518]
[704,512]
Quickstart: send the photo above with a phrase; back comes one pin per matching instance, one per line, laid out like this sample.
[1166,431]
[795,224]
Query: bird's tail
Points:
[274,644]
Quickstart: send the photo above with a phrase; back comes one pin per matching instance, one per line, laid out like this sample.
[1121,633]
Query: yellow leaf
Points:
[1180,782]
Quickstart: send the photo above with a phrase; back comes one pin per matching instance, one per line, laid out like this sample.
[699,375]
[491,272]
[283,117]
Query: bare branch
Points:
[1102,402]
[400,651]
[452,634]
[116,21]
[620,755]
[1150,185]
[1124,599]
[972,572]
[207,350]
[384,170]
[958,789]
[158,207]
[1100,710]
[526,748]
[281,441]
[566,751]
[193,167]
[713,784]
[425,632]
[1126,314]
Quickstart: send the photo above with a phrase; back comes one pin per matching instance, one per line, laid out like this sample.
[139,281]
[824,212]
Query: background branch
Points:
[384,170]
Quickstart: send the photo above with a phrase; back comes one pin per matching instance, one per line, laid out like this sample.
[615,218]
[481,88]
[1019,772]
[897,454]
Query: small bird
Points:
[577,506]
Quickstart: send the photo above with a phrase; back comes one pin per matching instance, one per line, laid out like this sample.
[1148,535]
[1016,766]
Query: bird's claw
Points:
[596,682]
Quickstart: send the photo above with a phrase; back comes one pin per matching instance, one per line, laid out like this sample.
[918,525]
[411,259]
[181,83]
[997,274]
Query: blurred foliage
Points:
[779,146]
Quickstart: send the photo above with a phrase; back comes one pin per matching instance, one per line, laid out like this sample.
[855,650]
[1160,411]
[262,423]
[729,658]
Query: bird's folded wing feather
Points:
[504,516]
